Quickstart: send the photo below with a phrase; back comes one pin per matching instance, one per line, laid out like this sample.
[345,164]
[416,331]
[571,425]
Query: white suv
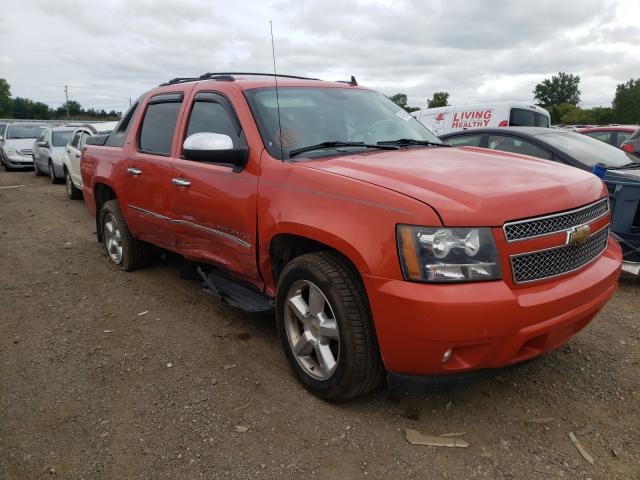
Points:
[71,159]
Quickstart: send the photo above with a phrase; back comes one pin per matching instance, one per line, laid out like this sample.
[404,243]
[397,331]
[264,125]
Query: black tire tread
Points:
[136,253]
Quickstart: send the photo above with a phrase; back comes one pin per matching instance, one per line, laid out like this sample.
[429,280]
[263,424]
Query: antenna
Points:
[275,77]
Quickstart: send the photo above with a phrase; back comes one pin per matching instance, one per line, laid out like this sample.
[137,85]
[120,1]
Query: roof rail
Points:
[229,77]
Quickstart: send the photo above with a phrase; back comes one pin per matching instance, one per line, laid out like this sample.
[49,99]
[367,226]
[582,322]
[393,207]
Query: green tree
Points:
[626,102]
[40,110]
[6,104]
[22,108]
[561,88]
[400,99]
[439,99]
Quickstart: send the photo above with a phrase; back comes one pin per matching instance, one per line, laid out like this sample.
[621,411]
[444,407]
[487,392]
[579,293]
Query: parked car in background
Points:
[614,135]
[71,157]
[455,118]
[3,128]
[49,150]
[561,146]
[382,249]
[17,149]
[632,144]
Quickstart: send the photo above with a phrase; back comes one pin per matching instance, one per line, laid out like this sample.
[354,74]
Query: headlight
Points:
[10,151]
[437,254]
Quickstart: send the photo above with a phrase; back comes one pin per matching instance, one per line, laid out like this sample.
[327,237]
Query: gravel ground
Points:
[118,375]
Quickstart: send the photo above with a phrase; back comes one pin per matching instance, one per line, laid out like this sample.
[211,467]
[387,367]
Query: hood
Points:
[631,175]
[19,143]
[471,186]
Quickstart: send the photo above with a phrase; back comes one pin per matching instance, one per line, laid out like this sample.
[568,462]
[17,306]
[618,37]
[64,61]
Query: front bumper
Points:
[486,324]
[18,161]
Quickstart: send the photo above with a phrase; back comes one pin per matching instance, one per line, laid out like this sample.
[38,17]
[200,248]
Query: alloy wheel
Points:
[112,238]
[312,330]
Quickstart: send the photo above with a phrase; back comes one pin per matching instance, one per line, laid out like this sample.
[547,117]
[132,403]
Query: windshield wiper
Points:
[322,145]
[401,142]
[626,166]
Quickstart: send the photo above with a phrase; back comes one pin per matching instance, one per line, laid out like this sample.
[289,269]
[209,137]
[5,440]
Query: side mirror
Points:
[1,138]
[215,148]
[43,144]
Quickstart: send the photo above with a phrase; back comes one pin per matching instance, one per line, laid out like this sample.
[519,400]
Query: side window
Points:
[602,136]
[213,113]
[75,141]
[516,145]
[159,124]
[464,141]
[622,137]
[520,117]
[83,139]
[119,134]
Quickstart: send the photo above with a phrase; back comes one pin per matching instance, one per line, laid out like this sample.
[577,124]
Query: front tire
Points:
[73,192]
[36,170]
[325,327]
[52,173]
[125,251]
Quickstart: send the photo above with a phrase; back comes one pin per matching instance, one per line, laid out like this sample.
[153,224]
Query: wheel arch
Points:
[102,193]
[286,245]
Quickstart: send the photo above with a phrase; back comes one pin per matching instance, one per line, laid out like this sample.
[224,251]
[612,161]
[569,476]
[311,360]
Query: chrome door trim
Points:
[212,231]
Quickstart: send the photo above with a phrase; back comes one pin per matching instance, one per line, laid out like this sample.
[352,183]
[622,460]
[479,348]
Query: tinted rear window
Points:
[521,117]
[117,137]
[158,126]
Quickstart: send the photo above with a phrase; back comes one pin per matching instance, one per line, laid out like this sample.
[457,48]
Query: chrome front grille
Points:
[527,267]
[558,222]
[26,152]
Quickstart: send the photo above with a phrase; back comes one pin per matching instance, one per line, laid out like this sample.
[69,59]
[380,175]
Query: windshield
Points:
[61,138]
[588,150]
[311,116]
[23,131]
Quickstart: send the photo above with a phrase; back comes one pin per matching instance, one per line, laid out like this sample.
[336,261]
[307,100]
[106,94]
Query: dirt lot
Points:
[90,387]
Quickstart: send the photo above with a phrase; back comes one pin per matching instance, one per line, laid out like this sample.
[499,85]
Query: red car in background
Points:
[614,135]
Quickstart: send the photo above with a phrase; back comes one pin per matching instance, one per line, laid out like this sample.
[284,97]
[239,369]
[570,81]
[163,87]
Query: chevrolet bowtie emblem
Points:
[578,235]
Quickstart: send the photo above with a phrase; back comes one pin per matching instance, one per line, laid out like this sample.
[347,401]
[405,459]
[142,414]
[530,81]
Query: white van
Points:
[453,118]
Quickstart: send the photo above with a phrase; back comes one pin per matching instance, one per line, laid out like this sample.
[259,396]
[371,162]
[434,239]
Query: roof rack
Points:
[229,77]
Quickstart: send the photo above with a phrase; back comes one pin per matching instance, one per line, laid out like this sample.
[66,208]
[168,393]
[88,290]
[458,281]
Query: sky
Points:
[110,51]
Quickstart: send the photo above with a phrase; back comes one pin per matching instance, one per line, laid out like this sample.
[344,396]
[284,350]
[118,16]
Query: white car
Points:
[71,159]
[453,118]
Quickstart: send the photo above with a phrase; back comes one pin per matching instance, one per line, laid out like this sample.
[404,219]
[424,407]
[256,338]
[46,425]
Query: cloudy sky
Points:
[109,51]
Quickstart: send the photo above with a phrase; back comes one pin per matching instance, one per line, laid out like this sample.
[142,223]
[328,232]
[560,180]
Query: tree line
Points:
[25,108]
[560,96]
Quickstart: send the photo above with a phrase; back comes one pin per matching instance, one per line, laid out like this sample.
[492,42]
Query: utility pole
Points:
[66,94]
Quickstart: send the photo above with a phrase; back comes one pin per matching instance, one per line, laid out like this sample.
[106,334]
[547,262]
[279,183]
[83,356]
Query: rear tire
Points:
[73,192]
[125,251]
[339,328]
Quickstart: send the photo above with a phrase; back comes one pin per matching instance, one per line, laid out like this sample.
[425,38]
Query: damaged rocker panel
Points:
[212,231]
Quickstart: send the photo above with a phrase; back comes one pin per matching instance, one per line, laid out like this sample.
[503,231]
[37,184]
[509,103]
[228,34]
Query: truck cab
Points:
[382,250]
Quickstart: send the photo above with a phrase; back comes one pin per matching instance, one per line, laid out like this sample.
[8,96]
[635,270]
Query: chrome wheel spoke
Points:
[325,358]
[328,327]
[299,307]
[304,345]
[316,300]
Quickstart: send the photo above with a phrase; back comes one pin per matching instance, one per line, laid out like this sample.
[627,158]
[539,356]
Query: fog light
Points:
[446,356]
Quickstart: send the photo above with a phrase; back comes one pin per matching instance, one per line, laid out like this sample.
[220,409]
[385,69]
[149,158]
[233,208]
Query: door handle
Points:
[134,171]
[181,182]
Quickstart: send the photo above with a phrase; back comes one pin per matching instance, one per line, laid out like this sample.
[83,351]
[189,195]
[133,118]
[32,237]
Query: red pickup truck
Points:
[383,250]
